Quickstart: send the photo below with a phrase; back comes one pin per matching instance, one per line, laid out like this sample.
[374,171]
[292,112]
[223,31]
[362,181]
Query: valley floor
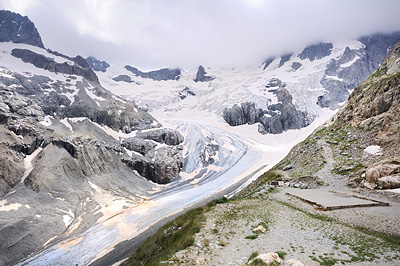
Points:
[346,236]
[231,232]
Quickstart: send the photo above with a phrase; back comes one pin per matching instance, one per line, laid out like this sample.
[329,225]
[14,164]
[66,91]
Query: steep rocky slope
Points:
[72,153]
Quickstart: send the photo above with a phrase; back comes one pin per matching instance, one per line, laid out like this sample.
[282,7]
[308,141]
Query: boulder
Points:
[382,169]
[260,229]
[389,182]
[294,262]
[270,258]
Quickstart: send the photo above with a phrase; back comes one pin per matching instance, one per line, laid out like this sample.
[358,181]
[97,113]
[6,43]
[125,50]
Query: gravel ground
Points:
[301,231]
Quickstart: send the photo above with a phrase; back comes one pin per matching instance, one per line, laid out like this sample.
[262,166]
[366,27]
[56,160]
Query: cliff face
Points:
[374,106]
[18,29]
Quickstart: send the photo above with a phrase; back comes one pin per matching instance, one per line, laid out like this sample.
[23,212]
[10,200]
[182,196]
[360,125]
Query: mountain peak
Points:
[18,29]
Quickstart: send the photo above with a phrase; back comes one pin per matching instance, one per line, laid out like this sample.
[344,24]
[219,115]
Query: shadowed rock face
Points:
[124,78]
[97,65]
[268,62]
[367,59]
[296,65]
[162,74]
[278,118]
[158,163]
[284,59]
[317,51]
[201,75]
[18,29]
[81,67]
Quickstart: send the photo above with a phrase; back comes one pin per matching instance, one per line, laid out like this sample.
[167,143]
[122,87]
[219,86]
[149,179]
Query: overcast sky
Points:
[152,34]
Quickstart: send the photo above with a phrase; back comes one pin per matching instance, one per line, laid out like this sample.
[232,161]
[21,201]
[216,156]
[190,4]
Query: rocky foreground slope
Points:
[355,155]
[69,149]
[364,136]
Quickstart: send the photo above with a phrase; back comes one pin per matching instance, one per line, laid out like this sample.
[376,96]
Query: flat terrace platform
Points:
[329,200]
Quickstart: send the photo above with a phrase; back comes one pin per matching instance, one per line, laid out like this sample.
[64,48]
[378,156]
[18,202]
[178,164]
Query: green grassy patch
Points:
[169,239]
[251,237]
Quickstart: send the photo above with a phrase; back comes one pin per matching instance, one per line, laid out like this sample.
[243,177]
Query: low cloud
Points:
[186,33]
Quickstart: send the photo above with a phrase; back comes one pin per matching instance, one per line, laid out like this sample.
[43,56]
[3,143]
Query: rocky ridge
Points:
[97,65]
[18,29]
[64,148]
[161,74]
[277,118]
[353,67]
[201,75]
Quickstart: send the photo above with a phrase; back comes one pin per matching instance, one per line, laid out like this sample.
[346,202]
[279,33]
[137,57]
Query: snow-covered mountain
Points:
[82,143]
[320,76]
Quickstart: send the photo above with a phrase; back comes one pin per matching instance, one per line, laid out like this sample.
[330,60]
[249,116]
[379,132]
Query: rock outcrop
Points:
[80,67]
[284,59]
[270,258]
[278,118]
[152,159]
[124,78]
[96,64]
[268,62]
[18,29]
[162,74]
[185,93]
[316,51]
[201,75]
[350,69]
[296,65]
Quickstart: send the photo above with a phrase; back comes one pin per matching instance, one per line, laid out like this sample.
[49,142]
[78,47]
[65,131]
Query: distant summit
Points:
[96,64]
[18,29]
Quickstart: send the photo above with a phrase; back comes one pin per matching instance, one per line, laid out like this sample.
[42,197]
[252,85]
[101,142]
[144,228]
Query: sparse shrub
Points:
[281,254]
[251,237]
[221,200]
[253,255]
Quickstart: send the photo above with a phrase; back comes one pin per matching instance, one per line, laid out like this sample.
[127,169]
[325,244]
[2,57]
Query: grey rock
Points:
[162,135]
[97,65]
[287,168]
[284,59]
[18,29]
[274,82]
[278,118]
[81,67]
[317,51]
[162,74]
[370,57]
[268,62]
[138,145]
[201,75]
[124,78]
[296,65]
[162,166]
[389,182]
[185,93]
